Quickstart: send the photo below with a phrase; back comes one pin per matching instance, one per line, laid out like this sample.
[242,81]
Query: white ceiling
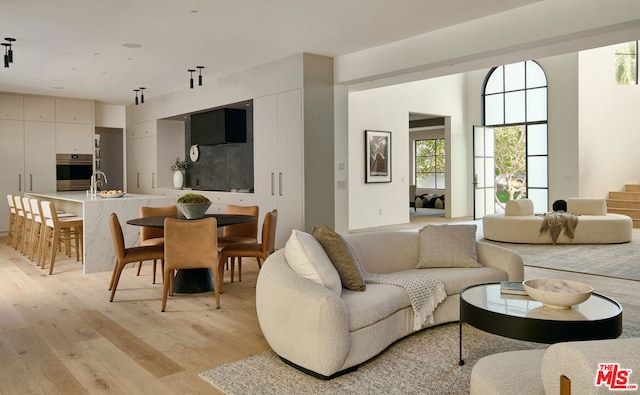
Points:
[74,48]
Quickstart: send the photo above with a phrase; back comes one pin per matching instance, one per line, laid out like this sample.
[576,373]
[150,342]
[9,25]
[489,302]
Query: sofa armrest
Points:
[501,258]
[578,361]
[301,320]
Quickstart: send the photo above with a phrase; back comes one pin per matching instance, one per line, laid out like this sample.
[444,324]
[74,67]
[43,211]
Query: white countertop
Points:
[82,197]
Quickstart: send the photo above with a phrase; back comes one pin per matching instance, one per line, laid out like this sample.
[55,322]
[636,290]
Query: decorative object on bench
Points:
[519,224]
[314,322]
[557,294]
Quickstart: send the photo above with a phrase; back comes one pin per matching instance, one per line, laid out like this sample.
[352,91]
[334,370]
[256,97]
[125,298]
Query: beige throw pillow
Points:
[448,246]
[341,256]
[306,257]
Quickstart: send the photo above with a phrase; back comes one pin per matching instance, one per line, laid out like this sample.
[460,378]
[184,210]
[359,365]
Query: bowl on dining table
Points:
[557,294]
[193,210]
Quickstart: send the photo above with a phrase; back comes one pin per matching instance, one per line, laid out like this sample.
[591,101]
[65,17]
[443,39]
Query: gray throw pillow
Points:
[341,256]
[448,246]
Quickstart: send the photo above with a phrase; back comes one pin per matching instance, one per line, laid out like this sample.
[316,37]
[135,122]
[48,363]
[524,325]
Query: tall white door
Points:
[40,156]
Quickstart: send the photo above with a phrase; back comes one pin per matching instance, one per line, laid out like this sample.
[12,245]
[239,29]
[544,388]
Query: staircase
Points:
[627,203]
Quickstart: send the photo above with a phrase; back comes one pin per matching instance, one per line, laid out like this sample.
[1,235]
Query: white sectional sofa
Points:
[519,224]
[325,333]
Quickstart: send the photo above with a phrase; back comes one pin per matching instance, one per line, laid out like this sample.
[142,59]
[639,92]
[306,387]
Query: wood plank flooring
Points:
[60,335]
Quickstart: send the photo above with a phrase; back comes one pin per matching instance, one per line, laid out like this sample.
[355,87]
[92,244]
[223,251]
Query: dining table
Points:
[190,281]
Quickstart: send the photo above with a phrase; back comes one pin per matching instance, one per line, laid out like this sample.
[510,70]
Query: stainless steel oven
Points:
[73,172]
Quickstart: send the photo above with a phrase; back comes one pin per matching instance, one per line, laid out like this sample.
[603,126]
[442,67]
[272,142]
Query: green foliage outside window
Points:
[627,63]
[510,164]
[430,163]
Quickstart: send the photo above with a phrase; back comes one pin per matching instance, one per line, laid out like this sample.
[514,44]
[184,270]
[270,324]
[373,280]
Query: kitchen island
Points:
[98,250]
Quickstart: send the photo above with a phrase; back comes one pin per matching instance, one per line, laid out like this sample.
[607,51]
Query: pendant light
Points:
[142,88]
[191,79]
[10,49]
[200,75]
[136,91]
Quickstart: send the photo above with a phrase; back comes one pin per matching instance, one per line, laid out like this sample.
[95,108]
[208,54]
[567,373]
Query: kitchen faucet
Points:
[94,181]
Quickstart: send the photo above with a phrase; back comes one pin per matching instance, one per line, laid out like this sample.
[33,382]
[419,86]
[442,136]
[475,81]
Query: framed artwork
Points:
[378,156]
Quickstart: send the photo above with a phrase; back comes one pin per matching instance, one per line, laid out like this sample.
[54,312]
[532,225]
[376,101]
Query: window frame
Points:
[440,172]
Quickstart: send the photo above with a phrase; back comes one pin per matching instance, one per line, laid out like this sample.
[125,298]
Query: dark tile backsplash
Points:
[222,167]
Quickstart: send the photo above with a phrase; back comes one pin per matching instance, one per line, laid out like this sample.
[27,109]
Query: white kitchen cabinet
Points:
[39,157]
[11,107]
[74,138]
[278,138]
[74,111]
[28,161]
[141,165]
[38,108]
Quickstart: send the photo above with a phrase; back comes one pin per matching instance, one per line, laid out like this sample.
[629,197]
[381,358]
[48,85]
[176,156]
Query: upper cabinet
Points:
[11,107]
[74,138]
[74,111]
[39,109]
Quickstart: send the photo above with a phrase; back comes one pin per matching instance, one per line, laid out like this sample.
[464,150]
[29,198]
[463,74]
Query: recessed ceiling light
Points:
[132,45]
[58,87]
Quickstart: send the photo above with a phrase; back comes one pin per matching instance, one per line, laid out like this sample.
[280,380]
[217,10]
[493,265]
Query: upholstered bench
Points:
[563,368]
[508,373]
[519,224]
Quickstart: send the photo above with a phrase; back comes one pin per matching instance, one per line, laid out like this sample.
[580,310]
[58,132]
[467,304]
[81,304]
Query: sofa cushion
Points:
[586,206]
[341,256]
[378,302]
[519,207]
[448,246]
[308,259]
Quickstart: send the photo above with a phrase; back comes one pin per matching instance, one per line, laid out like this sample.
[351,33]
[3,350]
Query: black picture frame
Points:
[377,156]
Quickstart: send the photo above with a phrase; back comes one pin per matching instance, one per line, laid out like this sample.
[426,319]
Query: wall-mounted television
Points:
[221,126]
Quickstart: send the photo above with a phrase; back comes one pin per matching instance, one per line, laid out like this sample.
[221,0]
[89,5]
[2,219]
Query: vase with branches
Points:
[178,167]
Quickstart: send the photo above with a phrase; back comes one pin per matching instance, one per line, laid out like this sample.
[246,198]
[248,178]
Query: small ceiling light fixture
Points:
[142,88]
[136,91]
[200,75]
[191,71]
[8,50]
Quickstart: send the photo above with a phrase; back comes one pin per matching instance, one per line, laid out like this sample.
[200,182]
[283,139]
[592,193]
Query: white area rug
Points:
[423,363]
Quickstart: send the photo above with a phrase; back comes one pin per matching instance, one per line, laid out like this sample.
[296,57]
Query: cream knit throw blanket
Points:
[425,292]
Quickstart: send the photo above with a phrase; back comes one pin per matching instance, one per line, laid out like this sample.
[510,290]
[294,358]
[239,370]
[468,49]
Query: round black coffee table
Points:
[523,318]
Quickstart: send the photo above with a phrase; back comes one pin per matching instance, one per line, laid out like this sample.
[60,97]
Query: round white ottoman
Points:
[513,372]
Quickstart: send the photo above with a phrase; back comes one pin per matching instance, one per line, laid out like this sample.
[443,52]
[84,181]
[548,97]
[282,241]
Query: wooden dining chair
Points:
[125,255]
[150,236]
[240,233]
[189,244]
[260,251]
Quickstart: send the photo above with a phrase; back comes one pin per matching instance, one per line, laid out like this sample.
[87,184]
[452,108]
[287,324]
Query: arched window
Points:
[515,108]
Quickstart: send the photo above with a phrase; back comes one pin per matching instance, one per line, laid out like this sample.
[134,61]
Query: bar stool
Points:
[59,230]
[36,229]
[17,229]
[12,219]
[27,225]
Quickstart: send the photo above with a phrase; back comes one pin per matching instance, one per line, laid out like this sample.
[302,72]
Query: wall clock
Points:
[194,153]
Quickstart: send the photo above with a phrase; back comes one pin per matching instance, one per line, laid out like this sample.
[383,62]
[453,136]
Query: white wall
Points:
[457,97]
[388,109]
[609,126]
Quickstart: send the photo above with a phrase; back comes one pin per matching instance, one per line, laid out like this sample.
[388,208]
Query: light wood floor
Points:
[60,335]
